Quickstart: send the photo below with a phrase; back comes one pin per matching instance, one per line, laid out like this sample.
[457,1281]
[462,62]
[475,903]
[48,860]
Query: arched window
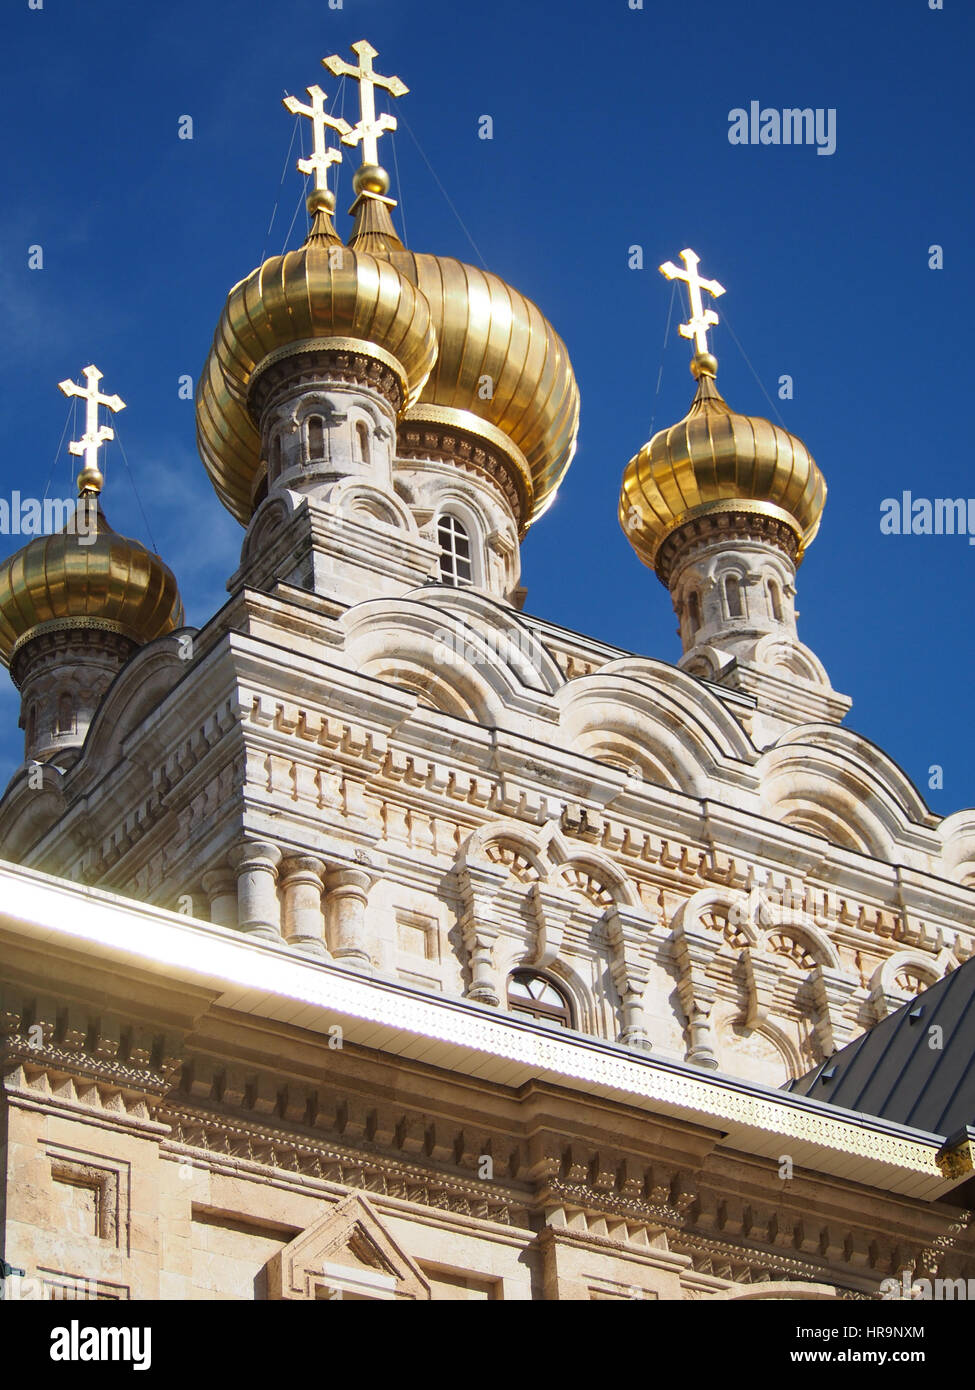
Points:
[455,551]
[362,441]
[275,468]
[31,729]
[732,590]
[694,613]
[775,603]
[535,995]
[316,437]
[66,724]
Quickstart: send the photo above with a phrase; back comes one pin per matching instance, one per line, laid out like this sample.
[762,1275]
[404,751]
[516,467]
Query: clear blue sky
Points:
[610,129]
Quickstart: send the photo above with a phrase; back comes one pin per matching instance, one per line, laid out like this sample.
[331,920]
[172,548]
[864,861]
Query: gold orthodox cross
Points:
[321,156]
[90,479]
[369,127]
[701,319]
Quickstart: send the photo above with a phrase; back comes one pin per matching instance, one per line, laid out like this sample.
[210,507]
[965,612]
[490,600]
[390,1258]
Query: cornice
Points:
[269,981]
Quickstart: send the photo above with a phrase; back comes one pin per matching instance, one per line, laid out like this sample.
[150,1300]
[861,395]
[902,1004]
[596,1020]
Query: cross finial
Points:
[701,319]
[90,478]
[369,128]
[321,156]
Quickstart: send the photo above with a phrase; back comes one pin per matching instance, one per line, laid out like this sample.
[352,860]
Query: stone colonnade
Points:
[310,905]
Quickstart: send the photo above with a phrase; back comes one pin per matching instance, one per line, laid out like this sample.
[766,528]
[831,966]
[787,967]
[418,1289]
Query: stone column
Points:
[220,886]
[479,938]
[700,1053]
[628,933]
[479,884]
[303,922]
[695,952]
[346,894]
[258,910]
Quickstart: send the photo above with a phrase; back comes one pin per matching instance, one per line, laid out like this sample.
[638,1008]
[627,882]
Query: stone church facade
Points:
[379,941]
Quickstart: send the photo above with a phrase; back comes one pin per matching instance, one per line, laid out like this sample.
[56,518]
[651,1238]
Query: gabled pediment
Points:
[346,1253]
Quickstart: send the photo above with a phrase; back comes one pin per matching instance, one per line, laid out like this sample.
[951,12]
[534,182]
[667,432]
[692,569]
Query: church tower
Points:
[379,419]
[722,507]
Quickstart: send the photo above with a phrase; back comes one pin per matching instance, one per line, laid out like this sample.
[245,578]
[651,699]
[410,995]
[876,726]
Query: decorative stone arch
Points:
[778,653]
[547,861]
[831,779]
[269,519]
[492,681]
[429,653]
[821,975]
[565,856]
[28,814]
[505,834]
[515,644]
[759,932]
[776,920]
[717,732]
[957,833]
[629,928]
[356,498]
[705,662]
[138,688]
[899,979]
[670,743]
[316,403]
[813,791]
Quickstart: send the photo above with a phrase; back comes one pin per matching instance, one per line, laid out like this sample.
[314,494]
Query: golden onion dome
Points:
[314,297]
[63,582]
[502,372]
[715,460]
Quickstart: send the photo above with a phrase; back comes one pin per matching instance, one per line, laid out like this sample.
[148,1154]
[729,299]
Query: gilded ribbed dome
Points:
[717,460]
[113,583]
[316,297]
[486,329]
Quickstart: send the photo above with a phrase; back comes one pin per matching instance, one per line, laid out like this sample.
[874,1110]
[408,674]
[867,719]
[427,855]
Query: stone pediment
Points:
[346,1253]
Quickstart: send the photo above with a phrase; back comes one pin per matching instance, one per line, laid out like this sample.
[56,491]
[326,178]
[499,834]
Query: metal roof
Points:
[916,1067]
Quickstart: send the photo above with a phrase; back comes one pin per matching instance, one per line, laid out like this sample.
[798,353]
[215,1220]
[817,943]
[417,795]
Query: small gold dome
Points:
[319,296]
[113,583]
[501,366]
[716,460]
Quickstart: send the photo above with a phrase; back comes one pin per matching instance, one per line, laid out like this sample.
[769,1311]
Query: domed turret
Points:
[75,605]
[722,507]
